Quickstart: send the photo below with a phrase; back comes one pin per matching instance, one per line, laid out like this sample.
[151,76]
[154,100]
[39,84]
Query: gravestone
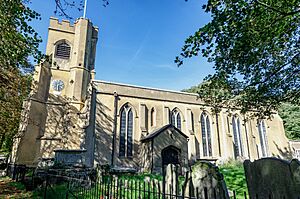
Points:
[70,157]
[171,181]
[205,181]
[273,178]
[3,165]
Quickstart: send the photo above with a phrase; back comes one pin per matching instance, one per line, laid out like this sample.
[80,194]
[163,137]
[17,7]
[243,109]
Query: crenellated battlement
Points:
[64,25]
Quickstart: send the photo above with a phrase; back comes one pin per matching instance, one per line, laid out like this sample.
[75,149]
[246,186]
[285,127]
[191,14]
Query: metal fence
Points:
[20,172]
[110,186]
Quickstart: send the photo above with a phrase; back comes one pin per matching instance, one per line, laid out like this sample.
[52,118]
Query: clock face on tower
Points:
[58,85]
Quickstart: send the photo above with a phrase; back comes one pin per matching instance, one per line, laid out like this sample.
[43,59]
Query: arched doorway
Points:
[170,155]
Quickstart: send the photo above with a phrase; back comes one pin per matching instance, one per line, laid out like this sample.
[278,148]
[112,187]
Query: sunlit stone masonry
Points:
[124,126]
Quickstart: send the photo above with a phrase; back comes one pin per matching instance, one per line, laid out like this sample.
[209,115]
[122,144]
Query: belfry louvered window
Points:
[176,119]
[206,135]
[126,132]
[62,50]
[237,144]
[263,137]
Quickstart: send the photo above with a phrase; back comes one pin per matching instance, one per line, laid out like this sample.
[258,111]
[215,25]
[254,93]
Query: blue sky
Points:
[139,40]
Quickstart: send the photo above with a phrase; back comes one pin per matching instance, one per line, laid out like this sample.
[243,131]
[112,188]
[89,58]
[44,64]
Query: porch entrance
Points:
[170,155]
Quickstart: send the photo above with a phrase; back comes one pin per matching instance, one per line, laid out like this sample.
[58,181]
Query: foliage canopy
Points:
[290,115]
[18,42]
[254,45]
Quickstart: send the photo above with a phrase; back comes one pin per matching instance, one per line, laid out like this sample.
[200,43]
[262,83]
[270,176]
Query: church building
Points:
[69,114]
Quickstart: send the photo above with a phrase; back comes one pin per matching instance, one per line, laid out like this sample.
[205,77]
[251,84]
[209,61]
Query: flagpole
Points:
[84,10]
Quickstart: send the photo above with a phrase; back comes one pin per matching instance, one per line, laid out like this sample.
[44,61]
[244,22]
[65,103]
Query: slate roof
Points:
[156,132]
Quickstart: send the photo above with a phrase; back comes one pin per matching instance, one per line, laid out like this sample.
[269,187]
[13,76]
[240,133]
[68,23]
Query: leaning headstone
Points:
[3,165]
[171,181]
[207,181]
[273,178]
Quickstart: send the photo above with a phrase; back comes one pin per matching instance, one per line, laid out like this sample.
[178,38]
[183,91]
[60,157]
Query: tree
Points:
[254,45]
[62,6]
[11,106]
[18,42]
[290,115]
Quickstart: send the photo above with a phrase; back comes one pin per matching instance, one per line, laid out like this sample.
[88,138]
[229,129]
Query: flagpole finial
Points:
[84,9]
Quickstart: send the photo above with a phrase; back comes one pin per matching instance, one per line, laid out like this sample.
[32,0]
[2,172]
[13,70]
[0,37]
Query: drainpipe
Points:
[114,128]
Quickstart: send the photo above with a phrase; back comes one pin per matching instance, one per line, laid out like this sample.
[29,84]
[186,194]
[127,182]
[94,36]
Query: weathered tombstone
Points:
[171,181]
[70,157]
[205,181]
[273,178]
[3,165]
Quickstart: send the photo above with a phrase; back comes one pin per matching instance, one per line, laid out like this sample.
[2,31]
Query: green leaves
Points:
[234,176]
[290,115]
[256,43]
[18,42]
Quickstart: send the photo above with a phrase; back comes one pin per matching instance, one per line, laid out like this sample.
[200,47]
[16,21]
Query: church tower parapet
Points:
[72,48]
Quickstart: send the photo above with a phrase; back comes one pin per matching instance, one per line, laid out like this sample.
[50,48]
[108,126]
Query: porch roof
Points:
[156,132]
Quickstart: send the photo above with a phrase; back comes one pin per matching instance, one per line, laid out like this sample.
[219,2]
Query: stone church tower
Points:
[57,113]
[76,119]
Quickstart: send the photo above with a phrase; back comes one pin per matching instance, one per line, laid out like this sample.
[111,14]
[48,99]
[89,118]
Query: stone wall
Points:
[143,100]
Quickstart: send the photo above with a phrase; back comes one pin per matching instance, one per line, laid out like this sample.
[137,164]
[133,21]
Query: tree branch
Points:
[272,73]
[277,10]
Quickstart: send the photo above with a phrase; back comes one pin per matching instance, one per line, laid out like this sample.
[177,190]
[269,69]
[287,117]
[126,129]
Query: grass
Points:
[234,176]
[132,187]
[10,189]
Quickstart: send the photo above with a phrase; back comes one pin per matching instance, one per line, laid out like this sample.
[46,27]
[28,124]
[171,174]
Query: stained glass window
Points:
[126,132]
[176,119]
[263,137]
[238,146]
[206,135]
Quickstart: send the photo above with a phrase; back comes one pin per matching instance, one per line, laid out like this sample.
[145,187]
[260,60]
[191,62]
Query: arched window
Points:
[176,119]
[263,137]
[126,129]
[62,50]
[238,146]
[152,117]
[206,135]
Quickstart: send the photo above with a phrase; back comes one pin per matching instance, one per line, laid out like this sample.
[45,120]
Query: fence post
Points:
[144,189]
[45,191]
[14,172]
[32,178]
[190,187]
[68,186]
[205,193]
[215,193]
[149,193]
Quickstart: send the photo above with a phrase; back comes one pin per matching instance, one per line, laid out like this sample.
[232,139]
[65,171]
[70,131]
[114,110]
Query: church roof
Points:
[156,132]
